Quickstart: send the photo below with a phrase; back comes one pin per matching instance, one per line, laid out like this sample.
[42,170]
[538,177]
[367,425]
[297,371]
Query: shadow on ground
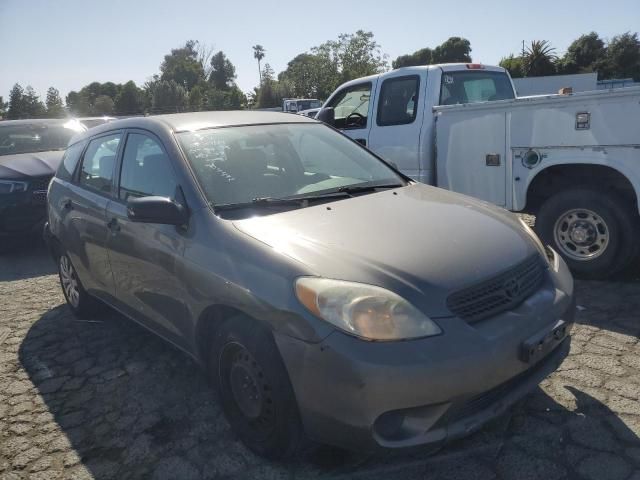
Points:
[27,259]
[134,407]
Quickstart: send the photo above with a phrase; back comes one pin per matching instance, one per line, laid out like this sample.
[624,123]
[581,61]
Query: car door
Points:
[352,109]
[86,230]
[395,134]
[146,258]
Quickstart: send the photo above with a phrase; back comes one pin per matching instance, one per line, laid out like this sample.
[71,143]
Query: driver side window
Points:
[351,106]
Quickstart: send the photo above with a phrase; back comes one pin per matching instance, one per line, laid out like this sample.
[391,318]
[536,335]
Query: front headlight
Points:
[364,310]
[12,186]
[535,238]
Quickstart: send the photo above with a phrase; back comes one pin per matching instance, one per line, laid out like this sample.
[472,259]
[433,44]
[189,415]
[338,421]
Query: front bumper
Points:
[366,395]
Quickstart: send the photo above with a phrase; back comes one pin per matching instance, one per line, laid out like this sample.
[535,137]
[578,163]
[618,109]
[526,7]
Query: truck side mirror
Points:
[327,115]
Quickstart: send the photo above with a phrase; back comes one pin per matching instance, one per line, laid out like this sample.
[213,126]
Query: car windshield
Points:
[239,165]
[35,137]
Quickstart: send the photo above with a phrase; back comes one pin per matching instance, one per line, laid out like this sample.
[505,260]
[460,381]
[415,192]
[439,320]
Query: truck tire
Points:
[594,231]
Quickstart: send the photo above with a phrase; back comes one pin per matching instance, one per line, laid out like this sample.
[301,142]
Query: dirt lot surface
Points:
[102,398]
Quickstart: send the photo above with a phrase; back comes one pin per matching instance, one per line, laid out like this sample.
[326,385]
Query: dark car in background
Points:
[30,152]
[326,294]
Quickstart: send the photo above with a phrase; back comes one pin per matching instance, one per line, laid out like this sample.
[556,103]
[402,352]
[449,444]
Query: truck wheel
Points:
[594,231]
[254,389]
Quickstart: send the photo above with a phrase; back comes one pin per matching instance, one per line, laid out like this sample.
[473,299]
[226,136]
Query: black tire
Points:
[267,419]
[79,301]
[612,215]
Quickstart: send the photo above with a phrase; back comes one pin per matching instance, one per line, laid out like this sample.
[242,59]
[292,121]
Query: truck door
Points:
[395,133]
[352,108]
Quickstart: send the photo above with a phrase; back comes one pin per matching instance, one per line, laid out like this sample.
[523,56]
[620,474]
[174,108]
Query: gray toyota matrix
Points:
[326,295]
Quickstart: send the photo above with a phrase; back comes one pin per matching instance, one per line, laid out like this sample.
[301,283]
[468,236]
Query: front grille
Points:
[39,188]
[498,294]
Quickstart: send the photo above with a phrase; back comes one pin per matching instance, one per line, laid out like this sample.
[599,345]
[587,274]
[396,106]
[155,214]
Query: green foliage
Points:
[24,103]
[168,97]
[229,99]
[182,66]
[513,65]
[129,99]
[55,109]
[454,49]
[539,59]
[424,56]
[103,105]
[585,54]
[623,57]
[259,53]
[309,75]
[223,73]
[3,107]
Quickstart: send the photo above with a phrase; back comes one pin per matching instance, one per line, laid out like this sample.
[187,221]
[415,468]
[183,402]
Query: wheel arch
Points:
[554,178]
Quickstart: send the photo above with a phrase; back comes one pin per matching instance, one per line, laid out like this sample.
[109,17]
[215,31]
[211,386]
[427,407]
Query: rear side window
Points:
[146,169]
[70,161]
[398,103]
[98,163]
[474,86]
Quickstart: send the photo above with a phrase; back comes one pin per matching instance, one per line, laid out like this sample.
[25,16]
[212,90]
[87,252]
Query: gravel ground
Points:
[102,398]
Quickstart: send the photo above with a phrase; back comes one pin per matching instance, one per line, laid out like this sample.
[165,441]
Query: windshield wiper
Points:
[367,187]
[298,200]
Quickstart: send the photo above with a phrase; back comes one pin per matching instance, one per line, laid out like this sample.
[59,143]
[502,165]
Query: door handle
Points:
[67,204]
[113,225]
[361,141]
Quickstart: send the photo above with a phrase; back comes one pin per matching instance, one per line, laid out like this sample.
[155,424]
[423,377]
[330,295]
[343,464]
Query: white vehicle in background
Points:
[295,105]
[572,160]
[311,113]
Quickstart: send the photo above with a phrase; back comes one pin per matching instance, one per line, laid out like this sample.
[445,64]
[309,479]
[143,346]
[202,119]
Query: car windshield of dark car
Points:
[36,137]
[239,165]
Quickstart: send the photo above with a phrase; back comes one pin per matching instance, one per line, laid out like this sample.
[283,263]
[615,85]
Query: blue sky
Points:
[69,43]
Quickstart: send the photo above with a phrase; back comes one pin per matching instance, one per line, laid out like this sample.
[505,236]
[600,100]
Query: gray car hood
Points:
[420,241]
[39,164]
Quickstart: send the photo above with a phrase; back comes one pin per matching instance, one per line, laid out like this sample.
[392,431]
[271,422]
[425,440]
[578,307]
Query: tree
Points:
[585,54]
[623,57]
[353,55]
[454,49]
[539,59]
[197,98]
[17,108]
[223,73]
[513,65]
[78,104]
[258,54]
[424,56]
[33,106]
[129,101]
[3,107]
[267,94]
[309,76]
[182,66]
[168,96]
[103,105]
[55,109]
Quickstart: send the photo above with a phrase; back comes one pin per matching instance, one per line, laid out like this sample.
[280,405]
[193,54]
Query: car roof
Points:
[183,122]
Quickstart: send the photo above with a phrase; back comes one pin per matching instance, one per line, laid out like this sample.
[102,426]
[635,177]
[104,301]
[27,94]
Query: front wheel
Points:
[594,231]
[254,389]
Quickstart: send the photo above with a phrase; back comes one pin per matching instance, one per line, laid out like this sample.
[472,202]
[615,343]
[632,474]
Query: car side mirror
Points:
[327,115]
[155,209]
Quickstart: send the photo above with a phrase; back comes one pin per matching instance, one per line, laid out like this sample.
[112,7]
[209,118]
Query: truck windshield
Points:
[472,86]
[239,165]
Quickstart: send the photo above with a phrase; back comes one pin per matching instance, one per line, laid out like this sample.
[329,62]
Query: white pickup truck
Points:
[572,160]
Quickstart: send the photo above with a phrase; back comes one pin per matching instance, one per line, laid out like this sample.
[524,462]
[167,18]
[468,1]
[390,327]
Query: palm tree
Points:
[539,59]
[258,54]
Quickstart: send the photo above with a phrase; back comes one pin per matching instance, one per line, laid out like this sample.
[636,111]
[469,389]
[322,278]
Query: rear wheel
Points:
[594,231]
[254,389]
[78,300]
